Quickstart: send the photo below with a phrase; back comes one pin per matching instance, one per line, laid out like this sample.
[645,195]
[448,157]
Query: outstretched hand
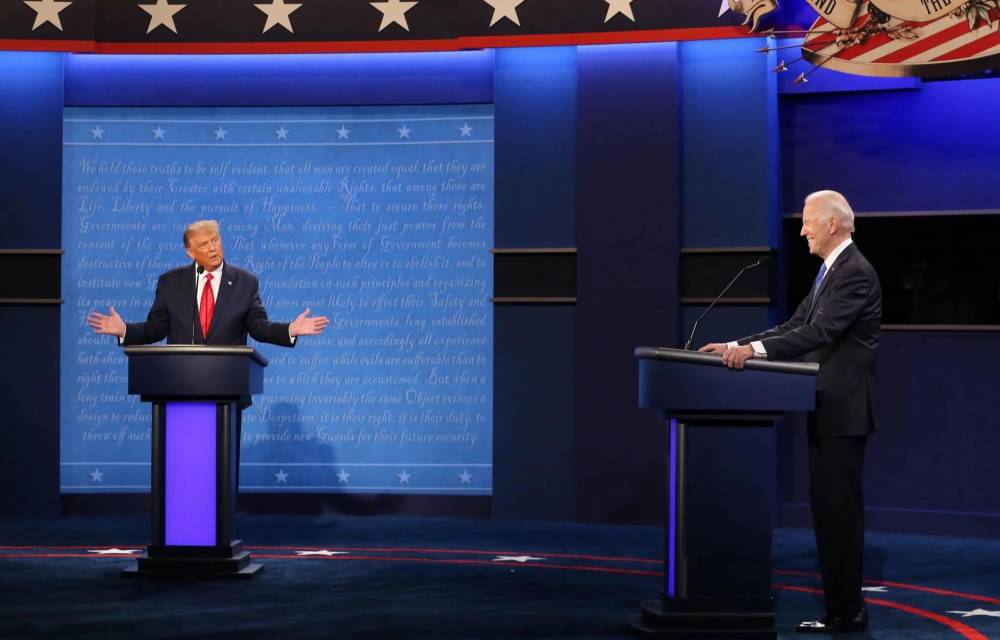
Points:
[111,324]
[304,325]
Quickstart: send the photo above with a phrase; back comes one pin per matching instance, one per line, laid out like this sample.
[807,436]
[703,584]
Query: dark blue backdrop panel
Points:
[729,150]
[536,149]
[724,323]
[907,150]
[627,235]
[931,467]
[459,77]
[31,132]
[533,423]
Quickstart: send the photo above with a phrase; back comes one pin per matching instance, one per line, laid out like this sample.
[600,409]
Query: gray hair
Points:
[836,204]
[199,225]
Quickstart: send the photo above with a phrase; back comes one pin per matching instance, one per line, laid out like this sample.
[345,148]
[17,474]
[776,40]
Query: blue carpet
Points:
[383,577]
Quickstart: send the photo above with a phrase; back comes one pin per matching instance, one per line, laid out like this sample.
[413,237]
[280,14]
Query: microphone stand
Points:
[687,345]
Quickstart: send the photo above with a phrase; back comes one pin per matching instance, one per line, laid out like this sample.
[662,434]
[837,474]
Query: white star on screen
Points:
[465,476]
[97,475]
[47,11]
[161,14]
[342,476]
[281,476]
[623,7]
[521,559]
[114,551]
[504,9]
[220,133]
[466,130]
[97,132]
[158,133]
[393,11]
[282,133]
[404,132]
[278,13]
[322,552]
[404,478]
[978,612]
[343,132]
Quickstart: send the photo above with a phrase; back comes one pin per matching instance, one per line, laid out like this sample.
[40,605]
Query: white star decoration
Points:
[158,133]
[281,476]
[282,133]
[404,478]
[97,475]
[466,130]
[97,132]
[278,13]
[161,14]
[978,612]
[220,133]
[114,551]
[343,132]
[504,9]
[876,589]
[465,476]
[521,559]
[394,11]
[623,7]
[47,11]
[404,132]
[342,476]
[322,552]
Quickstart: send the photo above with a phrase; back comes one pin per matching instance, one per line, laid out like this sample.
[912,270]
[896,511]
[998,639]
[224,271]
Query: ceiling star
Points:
[404,132]
[343,132]
[282,133]
[342,476]
[521,559]
[47,11]
[623,7]
[465,476]
[220,133]
[114,551]
[281,476]
[158,133]
[465,129]
[97,475]
[978,612]
[161,14]
[322,552]
[876,589]
[278,13]
[504,9]
[394,11]
[404,478]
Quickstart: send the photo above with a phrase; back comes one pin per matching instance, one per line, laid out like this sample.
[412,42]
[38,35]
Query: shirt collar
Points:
[832,258]
[215,274]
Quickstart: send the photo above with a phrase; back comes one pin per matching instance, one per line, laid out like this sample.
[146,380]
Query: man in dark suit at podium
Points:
[837,325]
[208,302]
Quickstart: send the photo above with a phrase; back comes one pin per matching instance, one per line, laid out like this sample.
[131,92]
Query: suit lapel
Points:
[831,273]
[226,282]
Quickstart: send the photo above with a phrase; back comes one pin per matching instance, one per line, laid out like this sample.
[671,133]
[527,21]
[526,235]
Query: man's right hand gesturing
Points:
[111,325]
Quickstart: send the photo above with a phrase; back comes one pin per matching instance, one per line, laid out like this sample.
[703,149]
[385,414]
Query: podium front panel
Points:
[190,478]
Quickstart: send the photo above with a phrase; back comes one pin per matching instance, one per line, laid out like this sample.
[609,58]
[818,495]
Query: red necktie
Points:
[207,305]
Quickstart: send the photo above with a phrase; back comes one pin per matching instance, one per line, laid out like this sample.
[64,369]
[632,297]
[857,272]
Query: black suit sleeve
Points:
[259,327]
[157,323]
[797,320]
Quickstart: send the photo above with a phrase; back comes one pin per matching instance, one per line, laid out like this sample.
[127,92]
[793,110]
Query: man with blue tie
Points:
[208,302]
[836,325]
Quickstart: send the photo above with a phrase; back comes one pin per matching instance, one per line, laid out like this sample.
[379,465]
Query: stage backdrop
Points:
[380,218]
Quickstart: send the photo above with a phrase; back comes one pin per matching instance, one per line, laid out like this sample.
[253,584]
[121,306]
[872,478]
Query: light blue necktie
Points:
[819,280]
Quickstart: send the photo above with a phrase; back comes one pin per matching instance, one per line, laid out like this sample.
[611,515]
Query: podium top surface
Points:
[715,360]
[198,349]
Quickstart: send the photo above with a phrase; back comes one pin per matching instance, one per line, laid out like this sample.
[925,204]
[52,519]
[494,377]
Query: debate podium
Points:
[721,461]
[197,393]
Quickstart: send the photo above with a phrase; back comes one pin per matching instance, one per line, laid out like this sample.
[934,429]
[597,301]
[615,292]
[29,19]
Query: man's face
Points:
[818,228]
[205,248]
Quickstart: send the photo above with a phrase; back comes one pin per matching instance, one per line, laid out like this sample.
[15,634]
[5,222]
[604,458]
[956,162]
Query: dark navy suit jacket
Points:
[238,312]
[840,331]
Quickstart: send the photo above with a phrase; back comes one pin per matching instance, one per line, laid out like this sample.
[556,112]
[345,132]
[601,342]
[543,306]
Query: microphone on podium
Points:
[764,261]
[197,274]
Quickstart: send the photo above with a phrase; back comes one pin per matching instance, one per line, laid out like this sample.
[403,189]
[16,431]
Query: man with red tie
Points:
[208,302]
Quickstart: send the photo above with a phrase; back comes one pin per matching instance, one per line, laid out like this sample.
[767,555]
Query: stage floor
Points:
[391,577]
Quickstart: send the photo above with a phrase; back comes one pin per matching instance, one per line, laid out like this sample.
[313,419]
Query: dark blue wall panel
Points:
[627,233]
